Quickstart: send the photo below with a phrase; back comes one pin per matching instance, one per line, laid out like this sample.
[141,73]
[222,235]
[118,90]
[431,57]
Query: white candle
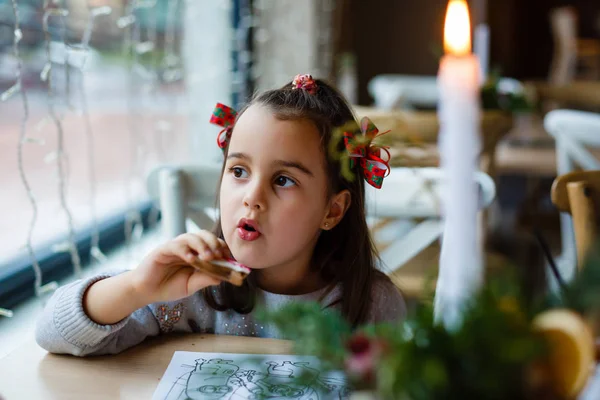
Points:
[460,271]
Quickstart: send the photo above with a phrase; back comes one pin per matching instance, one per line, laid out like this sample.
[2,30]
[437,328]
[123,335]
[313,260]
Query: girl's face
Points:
[273,194]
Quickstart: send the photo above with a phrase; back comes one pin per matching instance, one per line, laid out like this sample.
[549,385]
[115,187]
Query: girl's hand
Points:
[166,274]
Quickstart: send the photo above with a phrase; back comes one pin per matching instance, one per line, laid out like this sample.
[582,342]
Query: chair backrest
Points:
[184,192]
[578,193]
[416,193]
[573,132]
[577,126]
[393,91]
[563,22]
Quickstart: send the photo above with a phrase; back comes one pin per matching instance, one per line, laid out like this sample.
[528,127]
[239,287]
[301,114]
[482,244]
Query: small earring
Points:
[326,225]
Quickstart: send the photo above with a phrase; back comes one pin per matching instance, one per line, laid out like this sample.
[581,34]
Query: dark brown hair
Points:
[344,254]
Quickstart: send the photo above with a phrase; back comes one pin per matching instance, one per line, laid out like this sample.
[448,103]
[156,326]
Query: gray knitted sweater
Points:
[65,328]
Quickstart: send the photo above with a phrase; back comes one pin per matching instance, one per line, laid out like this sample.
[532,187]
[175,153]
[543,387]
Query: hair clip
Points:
[305,82]
[223,116]
[360,146]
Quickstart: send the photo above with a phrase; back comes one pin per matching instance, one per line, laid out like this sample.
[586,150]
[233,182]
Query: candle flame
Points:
[457,29]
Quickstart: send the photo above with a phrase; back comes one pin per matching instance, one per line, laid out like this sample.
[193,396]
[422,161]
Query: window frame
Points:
[17,278]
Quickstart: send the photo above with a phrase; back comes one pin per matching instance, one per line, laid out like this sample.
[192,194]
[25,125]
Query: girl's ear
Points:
[338,205]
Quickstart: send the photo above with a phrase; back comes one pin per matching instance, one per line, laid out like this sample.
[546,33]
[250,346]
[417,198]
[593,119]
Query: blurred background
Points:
[99,93]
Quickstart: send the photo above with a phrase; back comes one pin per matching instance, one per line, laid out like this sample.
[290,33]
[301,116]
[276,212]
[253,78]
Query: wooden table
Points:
[31,373]
[576,94]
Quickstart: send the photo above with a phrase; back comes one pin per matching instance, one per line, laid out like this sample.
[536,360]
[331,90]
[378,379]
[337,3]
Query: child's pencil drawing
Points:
[244,376]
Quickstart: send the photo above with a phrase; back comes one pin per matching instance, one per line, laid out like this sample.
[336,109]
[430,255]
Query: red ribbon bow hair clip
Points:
[359,146]
[223,116]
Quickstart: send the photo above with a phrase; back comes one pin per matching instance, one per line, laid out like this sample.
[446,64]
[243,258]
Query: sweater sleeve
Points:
[387,303]
[64,327]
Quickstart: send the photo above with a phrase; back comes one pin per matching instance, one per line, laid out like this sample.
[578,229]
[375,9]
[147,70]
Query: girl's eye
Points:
[284,181]
[238,172]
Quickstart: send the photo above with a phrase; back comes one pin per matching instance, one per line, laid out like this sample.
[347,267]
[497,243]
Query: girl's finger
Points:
[211,241]
[202,247]
[181,250]
[199,280]
[199,247]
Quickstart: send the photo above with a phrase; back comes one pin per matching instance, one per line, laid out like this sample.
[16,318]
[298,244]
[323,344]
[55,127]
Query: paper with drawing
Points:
[247,376]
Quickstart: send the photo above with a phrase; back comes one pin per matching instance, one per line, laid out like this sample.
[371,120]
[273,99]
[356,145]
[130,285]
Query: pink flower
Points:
[365,352]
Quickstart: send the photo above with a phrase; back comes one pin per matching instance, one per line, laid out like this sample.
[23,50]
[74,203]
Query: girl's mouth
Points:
[248,230]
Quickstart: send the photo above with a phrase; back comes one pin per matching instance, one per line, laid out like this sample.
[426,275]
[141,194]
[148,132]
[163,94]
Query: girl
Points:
[286,212]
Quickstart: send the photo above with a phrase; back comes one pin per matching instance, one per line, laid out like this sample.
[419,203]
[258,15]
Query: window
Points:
[105,103]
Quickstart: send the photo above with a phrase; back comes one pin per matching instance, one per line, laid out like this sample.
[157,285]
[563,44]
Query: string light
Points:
[133,47]
[171,66]
[75,56]
[60,13]
[94,13]
[16,88]
[23,139]
[125,23]
[149,88]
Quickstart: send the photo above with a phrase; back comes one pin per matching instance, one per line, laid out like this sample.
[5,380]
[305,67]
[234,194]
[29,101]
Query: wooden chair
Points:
[571,51]
[576,136]
[578,193]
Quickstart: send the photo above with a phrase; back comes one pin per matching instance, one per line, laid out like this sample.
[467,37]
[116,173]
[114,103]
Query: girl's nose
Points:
[255,197]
